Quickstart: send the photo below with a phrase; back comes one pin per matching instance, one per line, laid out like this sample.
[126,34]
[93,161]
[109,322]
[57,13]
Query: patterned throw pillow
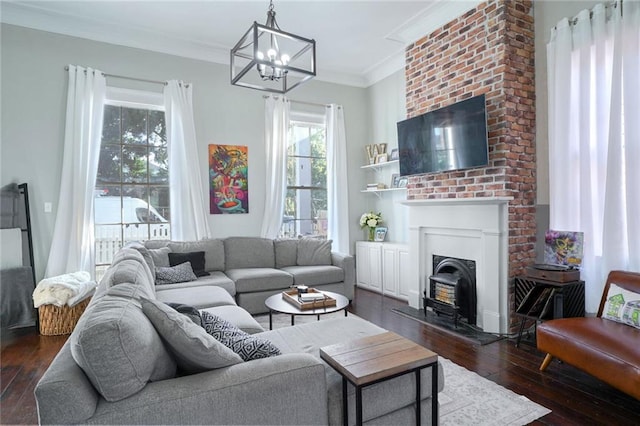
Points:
[246,345]
[175,274]
[622,306]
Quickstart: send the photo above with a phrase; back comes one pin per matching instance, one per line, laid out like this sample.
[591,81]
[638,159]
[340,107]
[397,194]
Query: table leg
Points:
[345,312]
[358,406]
[270,319]
[345,409]
[293,319]
[418,399]
[434,394]
[318,316]
[520,332]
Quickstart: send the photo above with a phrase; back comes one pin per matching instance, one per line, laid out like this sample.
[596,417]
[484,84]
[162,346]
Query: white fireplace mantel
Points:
[468,228]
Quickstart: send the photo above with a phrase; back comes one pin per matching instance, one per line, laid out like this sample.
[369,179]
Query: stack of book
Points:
[375,186]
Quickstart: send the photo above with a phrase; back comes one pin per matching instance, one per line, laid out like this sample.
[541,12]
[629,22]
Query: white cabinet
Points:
[383,267]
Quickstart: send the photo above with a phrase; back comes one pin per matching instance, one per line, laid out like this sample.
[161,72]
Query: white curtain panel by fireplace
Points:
[189,219]
[337,195]
[594,138]
[276,129]
[72,248]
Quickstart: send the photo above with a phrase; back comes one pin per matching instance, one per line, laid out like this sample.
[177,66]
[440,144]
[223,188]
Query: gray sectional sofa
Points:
[121,366]
[252,269]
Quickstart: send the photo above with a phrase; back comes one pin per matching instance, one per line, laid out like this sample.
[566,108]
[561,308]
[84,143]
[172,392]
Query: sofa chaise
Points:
[121,365]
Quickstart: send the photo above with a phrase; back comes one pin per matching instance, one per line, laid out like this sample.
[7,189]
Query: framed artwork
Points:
[380,233]
[381,158]
[402,182]
[228,182]
[395,154]
[563,248]
[394,180]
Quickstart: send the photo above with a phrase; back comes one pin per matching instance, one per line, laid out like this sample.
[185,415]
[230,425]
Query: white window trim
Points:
[130,98]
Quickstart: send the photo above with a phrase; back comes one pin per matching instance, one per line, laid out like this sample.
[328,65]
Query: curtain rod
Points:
[104,74]
[613,4]
[300,102]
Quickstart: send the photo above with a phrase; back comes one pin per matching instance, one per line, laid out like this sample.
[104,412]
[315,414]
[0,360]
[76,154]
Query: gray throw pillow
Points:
[194,350]
[160,256]
[246,345]
[175,274]
[313,252]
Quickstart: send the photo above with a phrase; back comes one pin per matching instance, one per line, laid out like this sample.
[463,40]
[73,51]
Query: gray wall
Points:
[34,86]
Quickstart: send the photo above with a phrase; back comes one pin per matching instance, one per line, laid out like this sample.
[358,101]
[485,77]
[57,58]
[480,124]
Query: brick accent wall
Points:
[490,50]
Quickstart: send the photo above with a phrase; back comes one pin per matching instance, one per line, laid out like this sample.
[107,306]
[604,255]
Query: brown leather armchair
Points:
[603,348]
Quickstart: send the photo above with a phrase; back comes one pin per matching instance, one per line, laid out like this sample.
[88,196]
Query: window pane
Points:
[134,164]
[307,172]
[134,126]
[111,126]
[136,232]
[158,165]
[109,164]
[159,199]
[157,129]
[108,242]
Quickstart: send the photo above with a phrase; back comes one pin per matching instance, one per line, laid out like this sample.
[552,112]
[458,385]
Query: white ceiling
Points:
[358,42]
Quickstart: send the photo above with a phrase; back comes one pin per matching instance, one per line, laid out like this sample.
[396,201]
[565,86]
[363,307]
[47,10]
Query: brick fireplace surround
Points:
[490,50]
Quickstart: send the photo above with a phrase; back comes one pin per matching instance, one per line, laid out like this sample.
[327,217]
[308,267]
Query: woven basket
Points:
[57,320]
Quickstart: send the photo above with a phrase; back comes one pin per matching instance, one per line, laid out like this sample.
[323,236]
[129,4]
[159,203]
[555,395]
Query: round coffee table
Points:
[277,304]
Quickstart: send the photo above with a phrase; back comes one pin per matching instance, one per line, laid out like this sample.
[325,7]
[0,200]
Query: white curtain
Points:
[594,138]
[276,129]
[189,213]
[72,248]
[337,194]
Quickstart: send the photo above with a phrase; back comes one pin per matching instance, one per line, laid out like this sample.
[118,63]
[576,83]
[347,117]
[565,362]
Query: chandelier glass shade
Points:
[267,58]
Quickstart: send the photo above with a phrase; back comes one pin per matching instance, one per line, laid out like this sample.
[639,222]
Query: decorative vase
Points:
[372,232]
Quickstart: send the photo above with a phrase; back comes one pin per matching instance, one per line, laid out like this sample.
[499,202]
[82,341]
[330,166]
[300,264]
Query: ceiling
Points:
[358,42]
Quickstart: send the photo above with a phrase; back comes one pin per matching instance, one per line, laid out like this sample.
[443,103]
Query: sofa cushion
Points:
[214,251]
[286,252]
[175,274]
[315,275]
[117,346]
[199,297]
[215,279]
[196,258]
[236,316]
[259,279]
[247,346]
[146,255]
[192,313]
[128,266]
[314,252]
[248,252]
[195,350]
[160,256]
[622,306]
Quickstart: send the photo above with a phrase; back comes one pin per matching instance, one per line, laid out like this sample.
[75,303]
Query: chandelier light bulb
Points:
[285,59]
[260,55]
[271,53]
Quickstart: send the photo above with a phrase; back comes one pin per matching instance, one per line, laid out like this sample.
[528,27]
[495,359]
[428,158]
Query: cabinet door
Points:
[375,267]
[403,273]
[390,270]
[363,270]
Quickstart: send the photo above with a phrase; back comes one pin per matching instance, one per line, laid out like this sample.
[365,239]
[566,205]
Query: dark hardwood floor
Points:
[574,397]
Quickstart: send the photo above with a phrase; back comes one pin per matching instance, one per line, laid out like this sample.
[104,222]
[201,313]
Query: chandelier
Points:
[267,58]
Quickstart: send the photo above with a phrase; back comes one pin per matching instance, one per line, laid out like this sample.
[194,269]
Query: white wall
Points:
[34,86]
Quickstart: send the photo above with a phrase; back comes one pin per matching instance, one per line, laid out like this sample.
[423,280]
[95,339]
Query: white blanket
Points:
[67,289]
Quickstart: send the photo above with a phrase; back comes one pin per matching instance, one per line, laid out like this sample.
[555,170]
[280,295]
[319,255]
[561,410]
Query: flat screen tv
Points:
[449,138]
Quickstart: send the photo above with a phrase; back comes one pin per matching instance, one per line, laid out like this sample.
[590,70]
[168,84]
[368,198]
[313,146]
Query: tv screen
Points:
[449,138]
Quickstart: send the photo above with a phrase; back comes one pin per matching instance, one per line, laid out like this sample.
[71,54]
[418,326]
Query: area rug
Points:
[446,324]
[467,398]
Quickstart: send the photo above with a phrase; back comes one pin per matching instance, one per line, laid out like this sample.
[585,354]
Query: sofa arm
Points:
[286,389]
[348,264]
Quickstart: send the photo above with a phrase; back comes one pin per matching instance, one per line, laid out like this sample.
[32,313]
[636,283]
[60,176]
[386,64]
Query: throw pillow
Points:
[175,274]
[192,313]
[246,345]
[313,252]
[622,306]
[195,257]
[160,256]
[194,350]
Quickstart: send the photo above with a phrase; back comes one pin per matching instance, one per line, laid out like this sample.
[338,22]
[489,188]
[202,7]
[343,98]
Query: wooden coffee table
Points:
[276,303]
[373,359]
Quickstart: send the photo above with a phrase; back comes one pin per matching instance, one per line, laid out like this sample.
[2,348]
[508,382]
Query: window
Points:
[305,211]
[132,187]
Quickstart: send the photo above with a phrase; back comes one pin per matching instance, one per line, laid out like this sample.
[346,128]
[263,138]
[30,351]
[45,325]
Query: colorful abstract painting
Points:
[563,248]
[228,183]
